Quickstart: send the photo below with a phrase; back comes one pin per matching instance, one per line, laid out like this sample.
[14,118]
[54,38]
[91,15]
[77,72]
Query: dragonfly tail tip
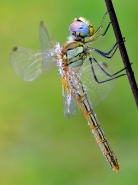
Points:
[116,168]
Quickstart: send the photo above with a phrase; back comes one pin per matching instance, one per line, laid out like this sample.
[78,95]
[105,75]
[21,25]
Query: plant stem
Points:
[122,48]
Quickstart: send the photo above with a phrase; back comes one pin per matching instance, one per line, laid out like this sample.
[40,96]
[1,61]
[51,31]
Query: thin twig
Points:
[122,49]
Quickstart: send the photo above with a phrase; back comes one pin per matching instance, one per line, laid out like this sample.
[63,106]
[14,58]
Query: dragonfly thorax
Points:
[73,54]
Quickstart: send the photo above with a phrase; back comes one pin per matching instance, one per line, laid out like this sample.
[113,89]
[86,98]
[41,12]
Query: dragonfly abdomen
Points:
[83,102]
[98,133]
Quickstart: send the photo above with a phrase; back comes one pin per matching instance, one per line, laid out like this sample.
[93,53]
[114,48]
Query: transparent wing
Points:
[96,92]
[47,45]
[29,64]
[46,40]
[69,105]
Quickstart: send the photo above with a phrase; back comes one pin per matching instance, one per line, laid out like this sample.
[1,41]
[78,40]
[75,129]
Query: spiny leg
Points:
[106,71]
[112,50]
[103,34]
[90,39]
[113,76]
[106,54]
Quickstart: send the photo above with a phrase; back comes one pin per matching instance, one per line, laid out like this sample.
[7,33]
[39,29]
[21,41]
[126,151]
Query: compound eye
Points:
[79,28]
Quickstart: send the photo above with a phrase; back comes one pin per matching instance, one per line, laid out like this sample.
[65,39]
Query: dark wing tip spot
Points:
[105,65]
[41,23]
[15,48]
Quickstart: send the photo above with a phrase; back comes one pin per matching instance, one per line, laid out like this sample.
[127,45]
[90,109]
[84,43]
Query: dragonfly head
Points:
[81,28]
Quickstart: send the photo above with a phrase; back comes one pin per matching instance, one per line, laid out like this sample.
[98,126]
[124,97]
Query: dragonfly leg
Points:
[103,34]
[111,77]
[93,37]
[111,52]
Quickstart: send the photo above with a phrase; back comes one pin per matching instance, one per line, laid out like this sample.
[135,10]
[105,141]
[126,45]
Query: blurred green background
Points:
[37,144]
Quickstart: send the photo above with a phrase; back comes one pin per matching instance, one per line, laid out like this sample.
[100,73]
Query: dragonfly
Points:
[85,81]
